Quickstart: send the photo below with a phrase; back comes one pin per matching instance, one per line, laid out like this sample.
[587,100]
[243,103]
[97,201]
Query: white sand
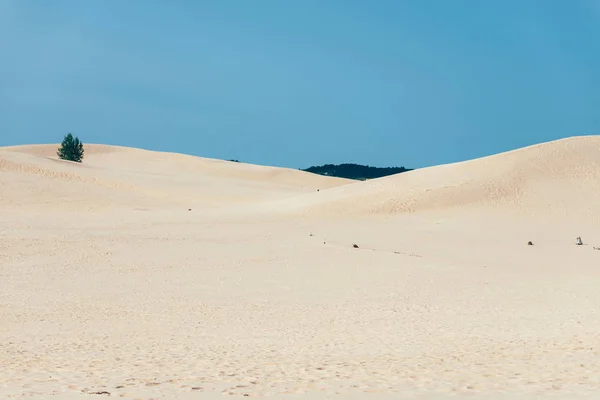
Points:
[110,284]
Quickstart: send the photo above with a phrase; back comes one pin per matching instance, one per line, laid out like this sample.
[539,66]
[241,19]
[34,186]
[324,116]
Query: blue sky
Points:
[299,83]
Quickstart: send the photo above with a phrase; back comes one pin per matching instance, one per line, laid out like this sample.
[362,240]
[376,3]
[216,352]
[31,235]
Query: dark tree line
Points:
[355,171]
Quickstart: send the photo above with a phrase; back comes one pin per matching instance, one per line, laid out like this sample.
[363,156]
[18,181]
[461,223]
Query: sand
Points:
[147,275]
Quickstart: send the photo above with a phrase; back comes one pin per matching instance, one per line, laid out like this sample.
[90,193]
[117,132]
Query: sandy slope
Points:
[560,178]
[119,177]
[110,284]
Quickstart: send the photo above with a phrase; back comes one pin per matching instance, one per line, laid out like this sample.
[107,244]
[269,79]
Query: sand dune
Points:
[146,177]
[111,287]
[560,178]
[131,159]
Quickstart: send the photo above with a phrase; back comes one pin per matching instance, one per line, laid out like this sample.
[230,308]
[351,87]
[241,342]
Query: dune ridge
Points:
[146,176]
[100,155]
[553,179]
[558,178]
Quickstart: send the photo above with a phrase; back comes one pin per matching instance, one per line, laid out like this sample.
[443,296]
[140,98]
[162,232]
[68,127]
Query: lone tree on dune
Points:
[71,149]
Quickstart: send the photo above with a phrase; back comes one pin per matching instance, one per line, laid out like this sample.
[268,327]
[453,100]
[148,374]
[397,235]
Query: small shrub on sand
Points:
[70,149]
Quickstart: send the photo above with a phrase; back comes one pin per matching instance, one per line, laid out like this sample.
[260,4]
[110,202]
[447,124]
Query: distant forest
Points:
[355,171]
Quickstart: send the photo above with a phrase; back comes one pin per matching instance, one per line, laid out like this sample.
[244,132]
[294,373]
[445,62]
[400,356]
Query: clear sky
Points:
[299,83]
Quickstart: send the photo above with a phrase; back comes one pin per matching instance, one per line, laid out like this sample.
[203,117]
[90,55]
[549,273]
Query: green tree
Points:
[71,149]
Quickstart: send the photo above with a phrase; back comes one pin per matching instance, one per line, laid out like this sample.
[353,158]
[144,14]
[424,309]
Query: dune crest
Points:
[144,176]
[554,178]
